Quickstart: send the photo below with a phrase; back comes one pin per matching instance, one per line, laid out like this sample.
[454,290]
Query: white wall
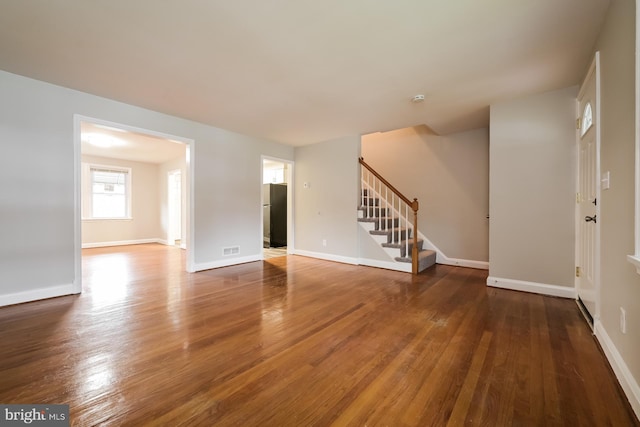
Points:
[532,188]
[145,219]
[449,175]
[326,210]
[620,284]
[37,209]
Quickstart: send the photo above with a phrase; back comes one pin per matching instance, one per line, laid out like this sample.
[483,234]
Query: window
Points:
[587,119]
[106,192]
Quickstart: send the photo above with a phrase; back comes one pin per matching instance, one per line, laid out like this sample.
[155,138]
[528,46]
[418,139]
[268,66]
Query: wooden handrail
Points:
[414,206]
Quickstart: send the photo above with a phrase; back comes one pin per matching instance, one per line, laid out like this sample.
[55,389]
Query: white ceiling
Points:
[305,71]
[97,140]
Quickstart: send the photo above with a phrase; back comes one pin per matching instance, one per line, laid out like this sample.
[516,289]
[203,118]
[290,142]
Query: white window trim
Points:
[87,192]
[635,258]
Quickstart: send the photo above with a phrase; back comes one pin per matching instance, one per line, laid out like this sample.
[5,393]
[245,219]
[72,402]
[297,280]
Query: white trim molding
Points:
[225,263]
[623,374]
[469,263]
[122,243]
[38,294]
[441,258]
[387,265]
[327,257]
[532,287]
[635,258]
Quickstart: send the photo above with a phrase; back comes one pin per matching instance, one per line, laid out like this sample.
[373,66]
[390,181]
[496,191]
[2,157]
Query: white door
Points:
[175,208]
[588,194]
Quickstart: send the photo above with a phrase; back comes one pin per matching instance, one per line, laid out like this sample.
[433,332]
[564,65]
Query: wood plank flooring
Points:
[294,341]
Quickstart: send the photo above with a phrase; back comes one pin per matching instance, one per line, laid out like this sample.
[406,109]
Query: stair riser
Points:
[374,212]
[403,249]
[398,236]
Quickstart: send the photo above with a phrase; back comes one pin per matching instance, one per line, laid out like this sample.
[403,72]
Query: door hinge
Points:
[578,271]
[578,123]
[578,198]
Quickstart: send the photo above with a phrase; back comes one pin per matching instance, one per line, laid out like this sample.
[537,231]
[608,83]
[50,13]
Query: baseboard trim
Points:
[441,258]
[122,243]
[37,294]
[533,287]
[225,263]
[625,378]
[327,257]
[387,265]
[481,265]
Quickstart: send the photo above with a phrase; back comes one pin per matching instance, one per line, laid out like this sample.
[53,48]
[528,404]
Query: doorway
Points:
[276,185]
[129,165]
[588,195]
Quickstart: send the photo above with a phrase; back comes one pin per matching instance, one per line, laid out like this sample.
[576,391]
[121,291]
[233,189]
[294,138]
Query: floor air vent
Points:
[233,250]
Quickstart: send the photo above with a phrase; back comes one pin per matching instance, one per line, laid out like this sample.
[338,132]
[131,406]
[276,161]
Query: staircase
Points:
[384,213]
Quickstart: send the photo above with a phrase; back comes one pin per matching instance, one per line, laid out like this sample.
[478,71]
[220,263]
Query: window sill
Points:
[635,260]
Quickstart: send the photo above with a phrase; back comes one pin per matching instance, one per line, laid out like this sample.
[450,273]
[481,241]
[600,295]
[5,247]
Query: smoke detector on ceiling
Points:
[417,98]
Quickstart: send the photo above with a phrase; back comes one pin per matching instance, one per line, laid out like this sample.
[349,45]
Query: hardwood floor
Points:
[294,341]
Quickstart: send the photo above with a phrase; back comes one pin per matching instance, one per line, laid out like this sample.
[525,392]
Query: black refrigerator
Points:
[275,215]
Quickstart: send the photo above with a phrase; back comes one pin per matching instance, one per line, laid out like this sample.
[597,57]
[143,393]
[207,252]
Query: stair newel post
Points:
[414,250]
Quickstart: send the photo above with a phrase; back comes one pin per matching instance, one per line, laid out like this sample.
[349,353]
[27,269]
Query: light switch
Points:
[605,181]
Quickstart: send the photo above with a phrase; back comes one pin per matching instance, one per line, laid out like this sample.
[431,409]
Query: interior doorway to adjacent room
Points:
[276,207]
[133,188]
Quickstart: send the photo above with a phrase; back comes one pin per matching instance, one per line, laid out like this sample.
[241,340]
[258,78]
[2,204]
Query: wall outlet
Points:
[324,242]
[623,320]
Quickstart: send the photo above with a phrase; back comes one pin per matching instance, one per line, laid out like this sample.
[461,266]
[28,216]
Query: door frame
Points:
[290,210]
[77,170]
[594,71]
[170,235]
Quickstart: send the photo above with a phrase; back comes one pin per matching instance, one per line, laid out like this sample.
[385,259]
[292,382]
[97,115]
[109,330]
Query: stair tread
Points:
[422,254]
[377,218]
[388,231]
[400,244]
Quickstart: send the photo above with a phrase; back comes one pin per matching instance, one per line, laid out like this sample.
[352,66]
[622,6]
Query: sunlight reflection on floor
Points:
[109,280]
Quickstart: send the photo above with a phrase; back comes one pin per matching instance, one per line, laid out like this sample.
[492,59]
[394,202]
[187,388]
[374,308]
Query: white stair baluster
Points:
[362,188]
[370,181]
[379,192]
[386,208]
[392,211]
[406,236]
